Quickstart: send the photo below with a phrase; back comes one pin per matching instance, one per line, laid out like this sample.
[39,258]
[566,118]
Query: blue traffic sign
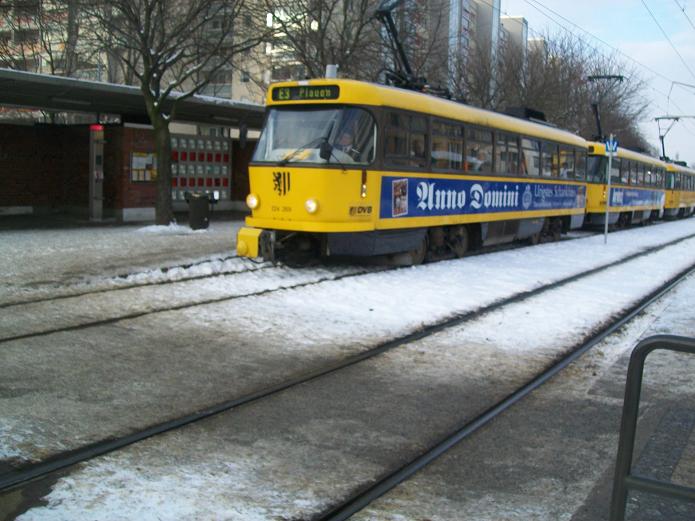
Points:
[611,145]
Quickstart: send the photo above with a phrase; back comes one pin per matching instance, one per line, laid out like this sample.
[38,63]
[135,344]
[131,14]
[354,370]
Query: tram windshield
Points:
[295,135]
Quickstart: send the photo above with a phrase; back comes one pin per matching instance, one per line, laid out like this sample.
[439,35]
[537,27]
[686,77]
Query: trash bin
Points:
[199,211]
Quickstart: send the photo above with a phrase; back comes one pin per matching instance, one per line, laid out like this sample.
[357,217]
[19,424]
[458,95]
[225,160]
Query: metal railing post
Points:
[624,479]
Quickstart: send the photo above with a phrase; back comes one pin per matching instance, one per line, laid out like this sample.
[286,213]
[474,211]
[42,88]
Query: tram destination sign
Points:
[306,93]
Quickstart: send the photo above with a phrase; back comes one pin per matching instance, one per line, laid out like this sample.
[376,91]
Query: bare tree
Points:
[41,36]
[310,34]
[174,49]
[552,77]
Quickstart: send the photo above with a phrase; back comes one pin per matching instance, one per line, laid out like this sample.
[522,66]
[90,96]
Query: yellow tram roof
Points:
[599,149]
[362,93]
[673,167]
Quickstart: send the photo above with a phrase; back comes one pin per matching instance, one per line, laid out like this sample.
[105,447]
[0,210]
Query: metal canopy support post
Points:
[96,172]
[624,479]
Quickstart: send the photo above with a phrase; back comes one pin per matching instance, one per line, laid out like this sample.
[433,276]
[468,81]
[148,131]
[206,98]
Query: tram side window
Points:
[596,169]
[627,167]
[567,167]
[507,154]
[633,176]
[580,164]
[615,170]
[447,146]
[530,157]
[649,175]
[640,175]
[659,177]
[479,150]
[406,140]
[549,161]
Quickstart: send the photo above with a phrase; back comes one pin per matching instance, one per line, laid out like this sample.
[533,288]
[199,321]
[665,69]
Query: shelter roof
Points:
[58,93]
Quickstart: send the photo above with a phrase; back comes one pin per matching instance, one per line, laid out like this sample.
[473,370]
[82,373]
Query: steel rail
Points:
[178,307]
[364,497]
[204,302]
[13,479]
[164,269]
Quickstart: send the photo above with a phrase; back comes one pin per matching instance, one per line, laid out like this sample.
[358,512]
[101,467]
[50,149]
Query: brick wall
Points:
[47,167]
[119,191]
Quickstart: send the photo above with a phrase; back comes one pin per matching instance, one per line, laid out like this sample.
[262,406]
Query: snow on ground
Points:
[159,479]
[315,324]
[34,262]
[371,308]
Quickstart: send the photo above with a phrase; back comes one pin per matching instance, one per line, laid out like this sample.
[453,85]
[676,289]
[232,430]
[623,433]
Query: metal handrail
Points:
[624,479]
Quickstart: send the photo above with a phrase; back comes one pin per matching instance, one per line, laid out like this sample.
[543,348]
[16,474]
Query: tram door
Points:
[96,172]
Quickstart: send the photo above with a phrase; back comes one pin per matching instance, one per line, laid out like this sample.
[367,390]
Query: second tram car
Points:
[680,191]
[353,168]
[637,187]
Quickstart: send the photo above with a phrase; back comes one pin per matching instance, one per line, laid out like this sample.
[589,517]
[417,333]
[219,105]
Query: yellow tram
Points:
[680,191]
[353,168]
[637,187]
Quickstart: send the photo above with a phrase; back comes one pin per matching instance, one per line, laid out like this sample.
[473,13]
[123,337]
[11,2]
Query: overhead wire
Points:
[667,38]
[685,127]
[685,14]
[615,49]
[539,6]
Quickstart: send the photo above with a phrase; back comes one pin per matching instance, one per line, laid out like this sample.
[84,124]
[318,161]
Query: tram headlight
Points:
[252,201]
[311,205]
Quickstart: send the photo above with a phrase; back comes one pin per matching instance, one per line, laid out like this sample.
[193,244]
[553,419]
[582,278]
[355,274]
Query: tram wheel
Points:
[459,240]
[418,255]
[556,229]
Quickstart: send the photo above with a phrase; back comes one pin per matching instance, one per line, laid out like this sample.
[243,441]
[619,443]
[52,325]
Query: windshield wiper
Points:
[316,141]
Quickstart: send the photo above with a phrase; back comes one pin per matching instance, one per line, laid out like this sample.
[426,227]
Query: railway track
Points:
[16,477]
[122,281]
[85,324]
[362,498]
[174,307]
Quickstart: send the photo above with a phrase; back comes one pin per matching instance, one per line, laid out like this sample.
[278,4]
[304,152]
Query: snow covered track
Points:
[153,277]
[363,498]
[422,332]
[136,301]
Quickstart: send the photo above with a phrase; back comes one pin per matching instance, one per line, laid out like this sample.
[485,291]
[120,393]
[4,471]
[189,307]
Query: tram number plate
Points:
[281,208]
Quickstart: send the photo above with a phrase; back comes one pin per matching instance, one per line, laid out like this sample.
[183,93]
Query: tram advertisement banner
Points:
[633,197]
[425,197]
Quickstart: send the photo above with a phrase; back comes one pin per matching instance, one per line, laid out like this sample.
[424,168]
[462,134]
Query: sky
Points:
[627,27]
